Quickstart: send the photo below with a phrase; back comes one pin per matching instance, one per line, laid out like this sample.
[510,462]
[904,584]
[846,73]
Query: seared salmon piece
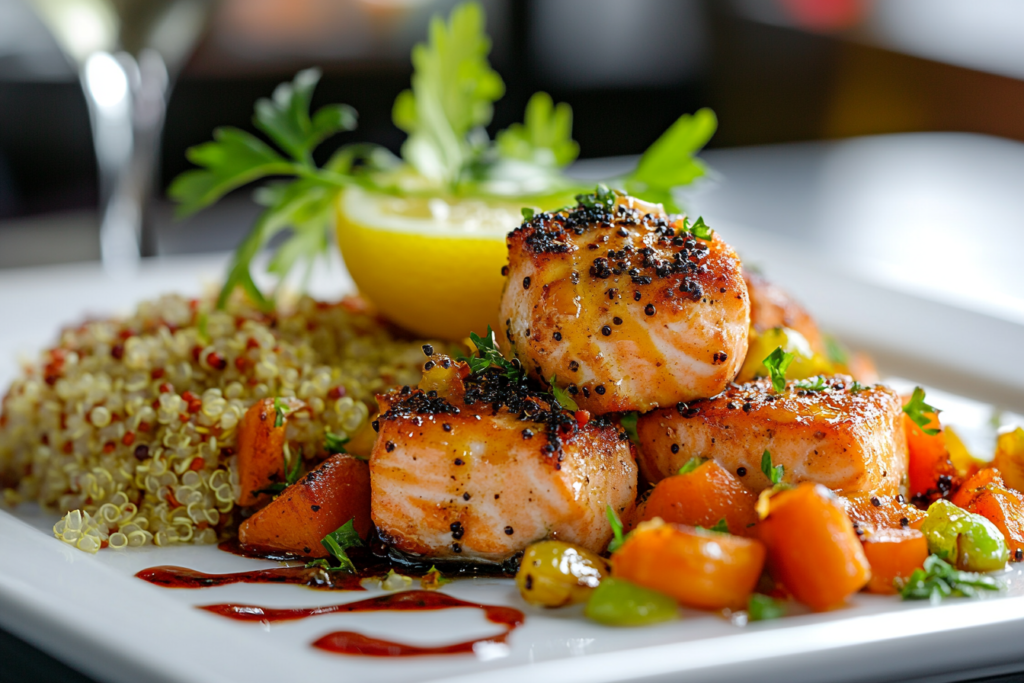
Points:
[477,467]
[850,440]
[623,305]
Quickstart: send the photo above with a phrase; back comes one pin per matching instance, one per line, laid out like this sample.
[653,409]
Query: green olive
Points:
[618,602]
[964,539]
[805,363]
[555,574]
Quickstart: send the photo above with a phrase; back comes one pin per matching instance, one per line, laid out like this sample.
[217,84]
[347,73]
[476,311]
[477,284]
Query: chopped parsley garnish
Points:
[528,213]
[447,152]
[340,540]
[292,468]
[280,412]
[701,230]
[692,464]
[320,563]
[335,443]
[762,607]
[774,473]
[918,411]
[600,198]
[488,355]
[857,386]
[818,384]
[939,579]
[562,396]
[628,423]
[720,527]
[618,538]
[777,363]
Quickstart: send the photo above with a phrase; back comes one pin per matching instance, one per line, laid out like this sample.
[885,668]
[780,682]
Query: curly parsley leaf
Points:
[434,579]
[234,158]
[340,540]
[920,412]
[285,117]
[939,579]
[528,213]
[721,527]
[453,92]
[762,607]
[544,137]
[628,423]
[670,161]
[777,363]
[857,387]
[774,473]
[600,198]
[692,464]
[489,355]
[617,536]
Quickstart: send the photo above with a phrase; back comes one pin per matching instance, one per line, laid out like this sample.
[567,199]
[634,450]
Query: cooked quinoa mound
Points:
[128,426]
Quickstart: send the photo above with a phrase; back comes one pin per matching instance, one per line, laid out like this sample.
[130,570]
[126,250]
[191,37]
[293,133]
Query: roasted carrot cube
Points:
[987,495]
[868,511]
[931,474]
[893,554]
[260,452]
[703,569]
[813,549]
[319,503]
[703,497]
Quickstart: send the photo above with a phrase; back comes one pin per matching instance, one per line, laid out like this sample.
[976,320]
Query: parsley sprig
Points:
[918,411]
[692,464]
[777,363]
[813,384]
[763,607]
[563,397]
[939,579]
[773,472]
[618,538]
[628,423]
[488,355]
[447,153]
[340,540]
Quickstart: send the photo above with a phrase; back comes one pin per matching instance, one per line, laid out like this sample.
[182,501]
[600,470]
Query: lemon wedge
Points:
[430,264]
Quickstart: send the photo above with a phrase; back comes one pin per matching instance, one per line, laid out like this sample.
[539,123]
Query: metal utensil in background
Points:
[127,53]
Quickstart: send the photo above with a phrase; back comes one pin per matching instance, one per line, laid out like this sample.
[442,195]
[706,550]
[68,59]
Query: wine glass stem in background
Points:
[127,103]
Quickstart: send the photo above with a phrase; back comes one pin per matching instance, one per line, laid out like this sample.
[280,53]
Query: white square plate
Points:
[91,612]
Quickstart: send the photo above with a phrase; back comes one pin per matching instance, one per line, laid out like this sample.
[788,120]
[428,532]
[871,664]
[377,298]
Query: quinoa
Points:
[128,426]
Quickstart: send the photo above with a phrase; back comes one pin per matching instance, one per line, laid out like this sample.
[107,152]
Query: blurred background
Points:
[775,71]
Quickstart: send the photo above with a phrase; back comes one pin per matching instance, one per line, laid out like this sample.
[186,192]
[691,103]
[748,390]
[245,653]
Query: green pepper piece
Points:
[964,539]
[617,602]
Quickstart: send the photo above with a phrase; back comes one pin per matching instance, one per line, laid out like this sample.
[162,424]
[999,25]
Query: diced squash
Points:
[361,443]
[319,503]
[1009,458]
[702,569]
[869,512]
[965,463]
[260,451]
[931,473]
[813,549]
[893,554]
[987,495]
[703,497]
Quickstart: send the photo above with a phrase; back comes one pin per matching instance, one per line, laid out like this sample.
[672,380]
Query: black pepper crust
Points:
[492,390]
[553,232]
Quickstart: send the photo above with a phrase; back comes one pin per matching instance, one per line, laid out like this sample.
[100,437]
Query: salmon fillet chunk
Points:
[477,467]
[844,436]
[624,306]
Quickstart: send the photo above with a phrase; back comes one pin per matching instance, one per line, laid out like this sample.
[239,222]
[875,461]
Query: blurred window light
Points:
[618,43]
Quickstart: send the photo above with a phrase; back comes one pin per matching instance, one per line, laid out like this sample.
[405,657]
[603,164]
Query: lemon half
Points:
[430,264]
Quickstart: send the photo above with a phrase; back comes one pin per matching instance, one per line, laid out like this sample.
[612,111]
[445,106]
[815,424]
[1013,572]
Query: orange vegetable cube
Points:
[698,568]
[260,452]
[703,497]
[335,492]
[1009,459]
[868,511]
[893,554]
[931,473]
[813,549]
